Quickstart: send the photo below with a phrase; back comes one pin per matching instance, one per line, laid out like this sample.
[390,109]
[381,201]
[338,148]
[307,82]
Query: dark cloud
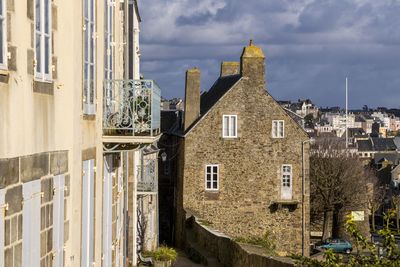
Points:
[311,45]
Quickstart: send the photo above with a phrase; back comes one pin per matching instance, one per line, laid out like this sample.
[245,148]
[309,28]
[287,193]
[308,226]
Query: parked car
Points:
[337,245]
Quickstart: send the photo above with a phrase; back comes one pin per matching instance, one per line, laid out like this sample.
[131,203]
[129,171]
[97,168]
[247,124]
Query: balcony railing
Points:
[131,108]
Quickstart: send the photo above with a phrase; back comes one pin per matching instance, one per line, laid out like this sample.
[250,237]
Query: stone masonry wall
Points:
[249,170]
[14,172]
[233,254]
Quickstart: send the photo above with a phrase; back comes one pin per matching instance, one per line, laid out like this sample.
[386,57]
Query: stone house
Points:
[71,174]
[242,161]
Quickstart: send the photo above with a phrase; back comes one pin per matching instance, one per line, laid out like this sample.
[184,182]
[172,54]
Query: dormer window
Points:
[229,126]
[278,129]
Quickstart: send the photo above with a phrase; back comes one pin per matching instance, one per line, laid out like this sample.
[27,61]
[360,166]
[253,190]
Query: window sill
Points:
[89,117]
[229,138]
[291,205]
[43,87]
[211,194]
[4,75]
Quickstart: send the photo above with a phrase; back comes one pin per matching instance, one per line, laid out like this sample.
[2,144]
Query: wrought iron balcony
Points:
[131,108]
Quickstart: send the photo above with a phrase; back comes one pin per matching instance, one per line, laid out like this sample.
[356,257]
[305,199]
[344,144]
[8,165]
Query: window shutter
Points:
[107,215]
[87,213]
[2,211]
[58,221]
[31,224]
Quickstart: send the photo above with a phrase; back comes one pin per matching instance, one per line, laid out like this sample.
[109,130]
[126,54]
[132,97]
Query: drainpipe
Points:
[303,221]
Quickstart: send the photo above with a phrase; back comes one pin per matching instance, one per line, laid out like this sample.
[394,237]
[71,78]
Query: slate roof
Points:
[212,96]
[376,144]
[397,142]
[364,145]
[354,131]
[394,157]
[383,144]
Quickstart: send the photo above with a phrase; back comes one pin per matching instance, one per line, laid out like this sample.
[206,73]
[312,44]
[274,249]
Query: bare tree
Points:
[376,195]
[338,180]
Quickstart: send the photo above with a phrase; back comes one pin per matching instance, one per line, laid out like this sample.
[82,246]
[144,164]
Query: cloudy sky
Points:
[310,45]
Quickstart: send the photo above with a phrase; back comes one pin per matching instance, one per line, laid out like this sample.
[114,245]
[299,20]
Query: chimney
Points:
[192,97]
[252,63]
[229,68]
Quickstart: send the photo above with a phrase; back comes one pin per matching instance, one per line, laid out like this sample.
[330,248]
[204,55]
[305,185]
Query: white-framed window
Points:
[87,213]
[278,128]
[31,224]
[89,58]
[286,181]
[229,126]
[43,40]
[3,34]
[212,177]
[108,39]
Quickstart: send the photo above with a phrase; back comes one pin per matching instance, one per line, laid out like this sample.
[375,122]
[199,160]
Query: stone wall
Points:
[233,254]
[14,172]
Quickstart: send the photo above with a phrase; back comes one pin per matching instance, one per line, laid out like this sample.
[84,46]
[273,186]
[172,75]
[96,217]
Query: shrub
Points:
[164,253]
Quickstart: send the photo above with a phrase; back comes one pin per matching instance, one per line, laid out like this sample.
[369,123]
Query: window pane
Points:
[85,82]
[86,9]
[91,86]
[47,55]
[208,185]
[91,58]
[86,52]
[208,169]
[1,40]
[37,15]
[215,185]
[226,126]
[46,16]
[38,53]
[215,169]
[91,10]
[233,126]
[208,177]
[281,129]
[274,129]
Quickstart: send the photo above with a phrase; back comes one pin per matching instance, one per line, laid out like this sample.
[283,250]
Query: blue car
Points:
[337,245]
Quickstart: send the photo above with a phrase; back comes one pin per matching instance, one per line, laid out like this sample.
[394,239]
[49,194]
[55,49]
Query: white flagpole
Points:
[347,113]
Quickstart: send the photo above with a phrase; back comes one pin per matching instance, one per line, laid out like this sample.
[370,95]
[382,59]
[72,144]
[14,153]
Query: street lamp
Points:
[164,157]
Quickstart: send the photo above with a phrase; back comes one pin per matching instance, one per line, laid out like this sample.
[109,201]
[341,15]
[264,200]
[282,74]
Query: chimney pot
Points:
[230,68]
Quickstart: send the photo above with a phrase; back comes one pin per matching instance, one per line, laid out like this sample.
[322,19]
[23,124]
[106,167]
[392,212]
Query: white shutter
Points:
[107,215]
[2,211]
[58,220]
[120,220]
[31,224]
[87,213]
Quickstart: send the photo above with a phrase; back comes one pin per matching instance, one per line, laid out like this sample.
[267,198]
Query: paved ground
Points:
[183,261]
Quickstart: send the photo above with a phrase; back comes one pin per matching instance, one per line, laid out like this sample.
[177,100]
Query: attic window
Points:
[278,129]
[229,126]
